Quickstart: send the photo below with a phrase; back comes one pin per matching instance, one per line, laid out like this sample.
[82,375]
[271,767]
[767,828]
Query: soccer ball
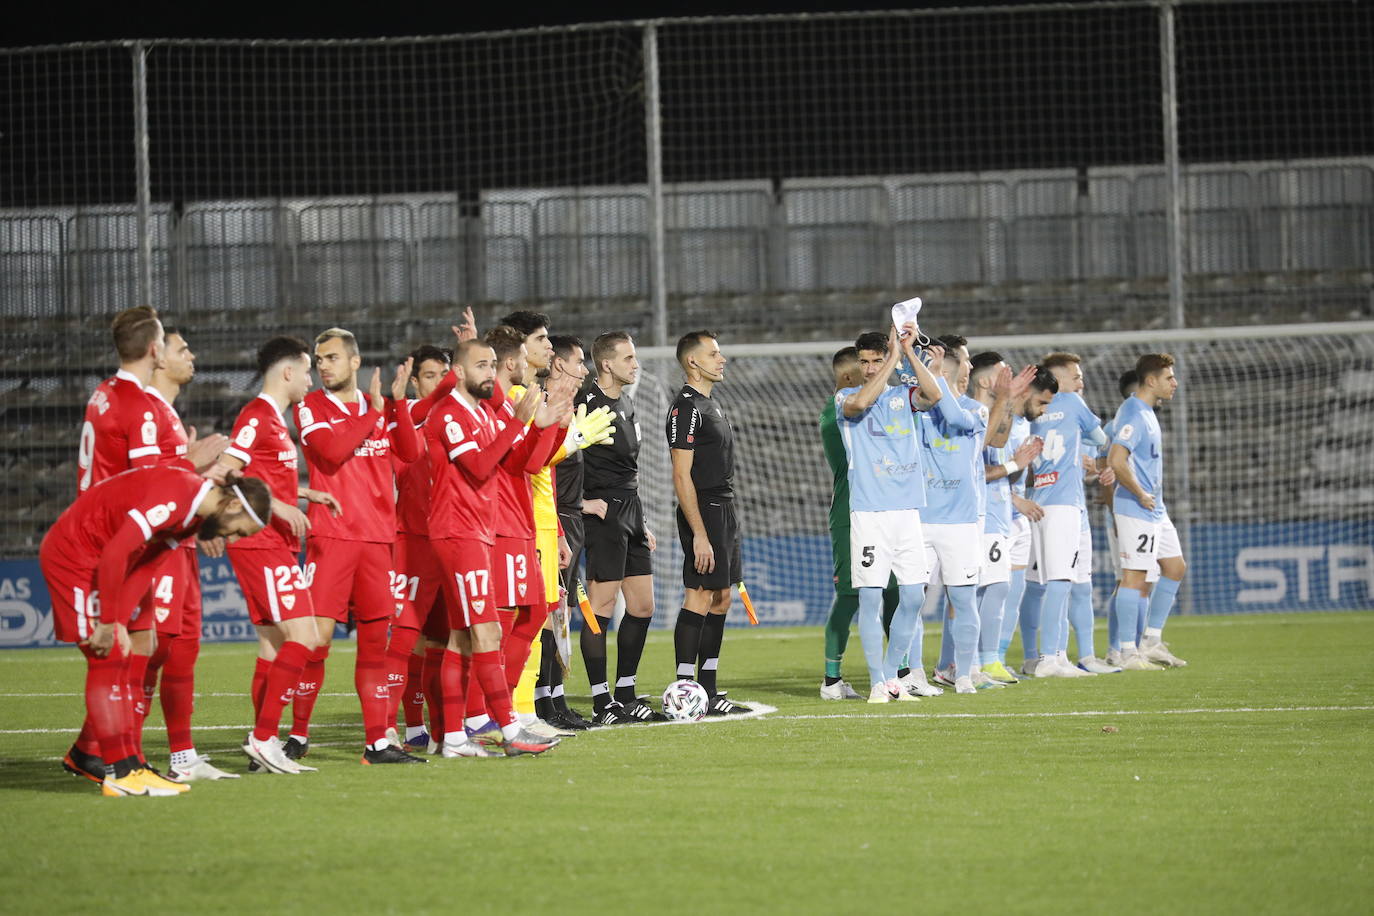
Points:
[685,701]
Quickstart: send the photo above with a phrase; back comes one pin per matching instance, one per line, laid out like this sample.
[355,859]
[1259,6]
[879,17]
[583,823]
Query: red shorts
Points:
[349,574]
[418,586]
[75,604]
[273,584]
[176,593]
[466,566]
[516,578]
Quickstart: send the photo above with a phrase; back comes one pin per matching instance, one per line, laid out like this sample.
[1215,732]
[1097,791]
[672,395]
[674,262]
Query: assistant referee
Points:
[702,445]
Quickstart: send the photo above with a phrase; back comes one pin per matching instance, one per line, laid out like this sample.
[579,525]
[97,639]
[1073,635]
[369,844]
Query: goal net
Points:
[1266,455]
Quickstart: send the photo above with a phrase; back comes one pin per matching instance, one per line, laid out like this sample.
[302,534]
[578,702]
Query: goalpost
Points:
[1270,482]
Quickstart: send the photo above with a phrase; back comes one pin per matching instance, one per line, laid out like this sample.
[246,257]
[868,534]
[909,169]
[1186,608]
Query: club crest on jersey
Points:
[158,515]
[304,415]
[161,613]
[478,605]
[288,601]
[1126,432]
[521,589]
[895,403]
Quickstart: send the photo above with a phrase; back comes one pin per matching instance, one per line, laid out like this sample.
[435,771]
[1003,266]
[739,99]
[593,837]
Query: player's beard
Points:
[338,384]
[209,529]
[481,391]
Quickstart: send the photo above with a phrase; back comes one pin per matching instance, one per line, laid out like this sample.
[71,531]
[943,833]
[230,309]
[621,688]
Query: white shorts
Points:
[959,551]
[1055,546]
[1137,542]
[1168,545]
[996,559]
[1152,575]
[884,544]
[1020,542]
[1083,571]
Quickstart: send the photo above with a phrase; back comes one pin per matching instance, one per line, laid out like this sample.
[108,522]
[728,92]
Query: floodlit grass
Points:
[1243,783]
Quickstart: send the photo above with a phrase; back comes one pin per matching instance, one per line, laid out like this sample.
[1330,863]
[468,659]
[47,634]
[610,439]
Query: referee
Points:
[703,448]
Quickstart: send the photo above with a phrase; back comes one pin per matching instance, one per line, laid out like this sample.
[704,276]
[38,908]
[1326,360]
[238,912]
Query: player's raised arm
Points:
[859,402]
[330,446]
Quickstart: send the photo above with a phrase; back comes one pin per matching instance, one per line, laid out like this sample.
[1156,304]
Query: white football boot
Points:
[915,683]
[1156,650]
[840,690]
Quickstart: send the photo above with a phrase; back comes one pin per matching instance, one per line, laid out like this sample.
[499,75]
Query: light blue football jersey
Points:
[1020,432]
[884,448]
[1136,428]
[1110,431]
[952,434]
[1058,471]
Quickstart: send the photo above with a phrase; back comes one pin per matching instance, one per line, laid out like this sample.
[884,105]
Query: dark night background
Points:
[999,90]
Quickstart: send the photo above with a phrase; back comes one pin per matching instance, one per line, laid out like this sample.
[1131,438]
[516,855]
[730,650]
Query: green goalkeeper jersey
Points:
[838,459]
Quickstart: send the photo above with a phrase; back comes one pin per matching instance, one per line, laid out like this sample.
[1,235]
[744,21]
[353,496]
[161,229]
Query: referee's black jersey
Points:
[698,424]
[568,478]
[611,467]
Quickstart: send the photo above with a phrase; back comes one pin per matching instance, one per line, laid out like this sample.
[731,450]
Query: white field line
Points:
[761,710]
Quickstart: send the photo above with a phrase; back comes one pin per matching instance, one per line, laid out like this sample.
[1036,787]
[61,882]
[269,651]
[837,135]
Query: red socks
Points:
[107,707]
[434,690]
[308,691]
[282,681]
[399,652]
[179,691]
[414,693]
[370,678]
[486,669]
[515,647]
[260,669]
[135,672]
[452,675]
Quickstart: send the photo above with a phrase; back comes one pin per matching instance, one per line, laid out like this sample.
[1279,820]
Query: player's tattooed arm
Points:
[1027,452]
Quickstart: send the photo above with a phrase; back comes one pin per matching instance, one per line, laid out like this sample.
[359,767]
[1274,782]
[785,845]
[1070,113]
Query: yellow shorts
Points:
[546,542]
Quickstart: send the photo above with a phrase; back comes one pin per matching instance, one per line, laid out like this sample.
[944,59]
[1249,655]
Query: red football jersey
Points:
[122,526]
[120,431]
[261,442]
[172,438]
[465,444]
[515,498]
[348,450]
[412,490]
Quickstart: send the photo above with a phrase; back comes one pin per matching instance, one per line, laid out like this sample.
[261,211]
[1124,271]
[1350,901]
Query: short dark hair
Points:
[427,352]
[505,340]
[844,357]
[278,349]
[169,329]
[1152,364]
[1129,379]
[563,345]
[875,341]
[984,361]
[460,352]
[604,345]
[526,322]
[952,341]
[1044,380]
[134,329]
[688,342]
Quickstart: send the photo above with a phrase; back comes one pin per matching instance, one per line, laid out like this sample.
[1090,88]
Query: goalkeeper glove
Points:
[595,428]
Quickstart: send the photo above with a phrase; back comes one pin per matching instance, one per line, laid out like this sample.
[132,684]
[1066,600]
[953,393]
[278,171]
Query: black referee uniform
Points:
[618,545]
[697,423]
[568,499]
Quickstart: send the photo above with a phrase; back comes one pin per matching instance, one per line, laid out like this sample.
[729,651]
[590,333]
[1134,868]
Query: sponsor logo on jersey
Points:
[1051,417]
[101,401]
[1045,480]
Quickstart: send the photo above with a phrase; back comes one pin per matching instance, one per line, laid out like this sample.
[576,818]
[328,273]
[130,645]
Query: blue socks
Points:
[965,628]
[1011,612]
[1081,617]
[871,631]
[991,609]
[1054,614]
[1125,610]
[1031,603]
[1162,602]
[905,624]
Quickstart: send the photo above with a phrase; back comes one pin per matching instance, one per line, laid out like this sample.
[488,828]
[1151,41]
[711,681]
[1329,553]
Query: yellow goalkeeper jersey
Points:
[545,512]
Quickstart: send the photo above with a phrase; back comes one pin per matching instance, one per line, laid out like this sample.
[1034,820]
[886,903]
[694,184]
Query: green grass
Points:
[1219,793]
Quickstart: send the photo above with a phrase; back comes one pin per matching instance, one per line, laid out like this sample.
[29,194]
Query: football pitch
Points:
[1242,783]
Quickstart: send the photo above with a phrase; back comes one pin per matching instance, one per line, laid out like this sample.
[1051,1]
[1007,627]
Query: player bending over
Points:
[97,561]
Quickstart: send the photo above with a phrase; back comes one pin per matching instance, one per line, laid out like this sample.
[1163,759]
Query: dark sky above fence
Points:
[1066,89]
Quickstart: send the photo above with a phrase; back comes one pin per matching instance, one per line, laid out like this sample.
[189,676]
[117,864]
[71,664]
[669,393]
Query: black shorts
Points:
[617,546]
[722,530]
[574,534]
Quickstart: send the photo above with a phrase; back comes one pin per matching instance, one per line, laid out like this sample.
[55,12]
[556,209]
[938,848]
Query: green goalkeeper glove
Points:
[595,428]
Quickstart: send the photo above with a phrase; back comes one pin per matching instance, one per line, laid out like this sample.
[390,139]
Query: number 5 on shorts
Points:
[868,558]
